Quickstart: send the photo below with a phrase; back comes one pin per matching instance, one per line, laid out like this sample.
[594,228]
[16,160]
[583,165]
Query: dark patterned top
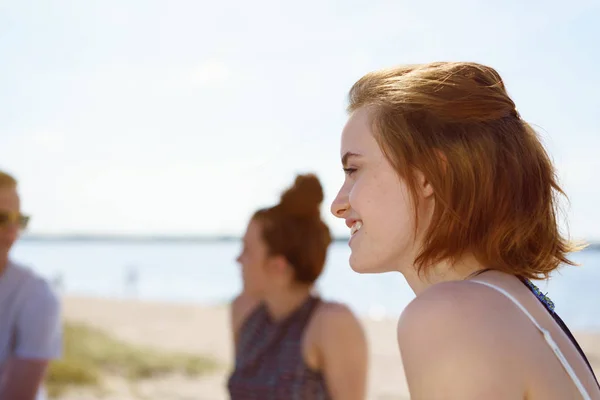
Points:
[269,364]
[549,305]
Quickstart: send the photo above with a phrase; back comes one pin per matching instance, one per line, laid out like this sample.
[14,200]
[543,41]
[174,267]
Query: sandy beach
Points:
[202,330]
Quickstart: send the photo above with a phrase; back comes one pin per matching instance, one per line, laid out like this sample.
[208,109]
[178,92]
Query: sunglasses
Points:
[8,218]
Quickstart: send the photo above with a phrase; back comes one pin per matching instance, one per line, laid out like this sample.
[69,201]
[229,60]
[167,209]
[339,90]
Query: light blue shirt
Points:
[30,318]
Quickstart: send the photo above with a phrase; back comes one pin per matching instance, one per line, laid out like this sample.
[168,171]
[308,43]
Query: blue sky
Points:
[180,117]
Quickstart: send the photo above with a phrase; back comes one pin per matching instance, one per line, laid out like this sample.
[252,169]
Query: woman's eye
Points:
[349,171]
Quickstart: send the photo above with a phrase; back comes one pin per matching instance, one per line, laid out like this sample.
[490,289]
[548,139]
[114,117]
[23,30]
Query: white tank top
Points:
[547,337]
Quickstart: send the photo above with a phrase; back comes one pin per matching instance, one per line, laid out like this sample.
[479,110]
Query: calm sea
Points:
[206,273]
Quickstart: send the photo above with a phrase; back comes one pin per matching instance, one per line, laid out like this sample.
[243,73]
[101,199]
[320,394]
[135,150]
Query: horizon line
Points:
[169,237]
[139,237]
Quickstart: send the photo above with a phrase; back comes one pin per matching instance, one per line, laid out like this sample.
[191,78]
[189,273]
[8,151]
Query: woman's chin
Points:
[360,266]
[364,266]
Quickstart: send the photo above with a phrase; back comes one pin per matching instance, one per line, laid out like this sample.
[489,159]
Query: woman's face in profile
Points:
[253,259]
[374,201]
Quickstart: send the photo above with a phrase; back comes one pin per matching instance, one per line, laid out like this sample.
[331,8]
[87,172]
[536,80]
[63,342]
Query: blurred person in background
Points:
[290,344]
[446,184]
[30,322]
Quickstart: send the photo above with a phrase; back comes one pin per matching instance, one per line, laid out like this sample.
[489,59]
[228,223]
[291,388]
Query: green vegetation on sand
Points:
[89,354]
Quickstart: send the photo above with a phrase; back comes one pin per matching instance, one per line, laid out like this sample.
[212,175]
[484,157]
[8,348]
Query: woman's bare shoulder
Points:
[460,327]
[333,319]
[331,313]
[467,308]
[340,345]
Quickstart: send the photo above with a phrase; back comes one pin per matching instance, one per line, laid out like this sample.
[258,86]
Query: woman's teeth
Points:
[355,228]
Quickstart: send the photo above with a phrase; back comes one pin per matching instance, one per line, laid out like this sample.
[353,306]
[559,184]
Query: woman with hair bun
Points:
[289,344]
[446,184]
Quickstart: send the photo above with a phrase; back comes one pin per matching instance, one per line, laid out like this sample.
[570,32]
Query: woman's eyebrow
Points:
[347,156]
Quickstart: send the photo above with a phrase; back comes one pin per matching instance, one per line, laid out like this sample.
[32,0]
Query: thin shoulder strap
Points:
[308,311]
[547,337]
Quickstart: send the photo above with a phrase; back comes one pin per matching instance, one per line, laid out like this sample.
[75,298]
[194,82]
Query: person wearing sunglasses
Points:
[30,323]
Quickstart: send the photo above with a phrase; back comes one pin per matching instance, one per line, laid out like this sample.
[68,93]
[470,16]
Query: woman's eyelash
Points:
[349,171]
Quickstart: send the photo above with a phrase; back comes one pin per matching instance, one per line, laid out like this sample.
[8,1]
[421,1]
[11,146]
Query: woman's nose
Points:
[340,204]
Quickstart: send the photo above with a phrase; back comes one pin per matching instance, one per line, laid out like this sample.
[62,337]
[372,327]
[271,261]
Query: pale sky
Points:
[183,117]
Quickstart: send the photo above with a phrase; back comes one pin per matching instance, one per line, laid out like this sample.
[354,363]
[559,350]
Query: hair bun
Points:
[304,197]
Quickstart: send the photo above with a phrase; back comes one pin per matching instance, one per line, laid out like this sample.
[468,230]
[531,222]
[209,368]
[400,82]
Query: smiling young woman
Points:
[448,185]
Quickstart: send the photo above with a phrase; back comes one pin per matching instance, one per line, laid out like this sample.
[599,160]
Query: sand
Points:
[205,330]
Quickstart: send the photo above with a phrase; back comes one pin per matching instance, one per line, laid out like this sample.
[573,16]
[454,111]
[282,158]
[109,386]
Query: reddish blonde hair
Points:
[294,229]
[495,186]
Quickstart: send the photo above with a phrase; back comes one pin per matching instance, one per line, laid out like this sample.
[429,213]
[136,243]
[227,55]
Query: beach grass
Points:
[91,354]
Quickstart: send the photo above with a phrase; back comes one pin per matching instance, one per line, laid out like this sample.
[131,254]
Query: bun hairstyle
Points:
[294,228]
[304,198]
[495,186]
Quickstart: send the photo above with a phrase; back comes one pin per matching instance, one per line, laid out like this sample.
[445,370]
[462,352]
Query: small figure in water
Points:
[131,281]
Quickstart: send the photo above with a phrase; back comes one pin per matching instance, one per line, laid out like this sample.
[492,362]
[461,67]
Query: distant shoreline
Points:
[163,238]
[138,238]
[127,238]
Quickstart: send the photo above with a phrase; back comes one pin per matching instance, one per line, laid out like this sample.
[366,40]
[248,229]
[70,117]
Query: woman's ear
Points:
[278,265]
[423,184]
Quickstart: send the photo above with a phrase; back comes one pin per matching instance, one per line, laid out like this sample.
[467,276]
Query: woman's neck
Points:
[281,303]
[464,268]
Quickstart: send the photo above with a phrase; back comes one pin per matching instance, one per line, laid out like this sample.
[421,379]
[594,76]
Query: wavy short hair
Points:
[495,185]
